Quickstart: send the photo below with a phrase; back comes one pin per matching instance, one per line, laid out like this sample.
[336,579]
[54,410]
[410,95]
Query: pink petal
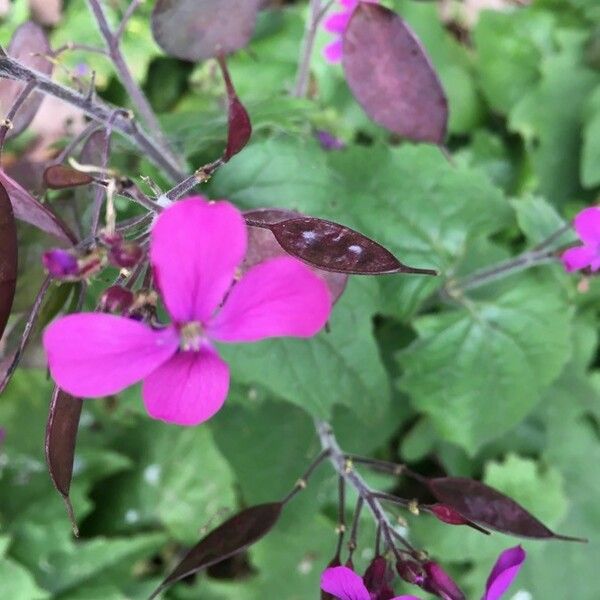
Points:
[188,389]
[505,570]
[333,51]
[344,584]
[195,249]
[337,22]
[279,297]
[587,225]
[350,5]
[92,355]
[579,257]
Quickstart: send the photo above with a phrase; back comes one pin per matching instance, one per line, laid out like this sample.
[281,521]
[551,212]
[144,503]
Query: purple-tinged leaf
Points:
[239,125]
[61,436]
[58,177]
[92,152]
[333,247]
[392,77]
[232,537]
[485,505]
[199,29]
[27,208]
[9,252]
[29,45]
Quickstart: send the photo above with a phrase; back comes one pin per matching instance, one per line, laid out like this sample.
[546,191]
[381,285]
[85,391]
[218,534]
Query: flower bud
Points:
[60,264]
[335,562]
[438,582]
[411,571]
[116,299]
[125,255]
[447,514]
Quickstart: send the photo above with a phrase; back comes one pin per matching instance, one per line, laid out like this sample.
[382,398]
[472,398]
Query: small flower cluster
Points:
[343,583]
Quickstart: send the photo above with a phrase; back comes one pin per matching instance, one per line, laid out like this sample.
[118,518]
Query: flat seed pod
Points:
[333,247]
[58,177]
[8,258]
[29,45]
[195,30]
[392,77]
[232,537]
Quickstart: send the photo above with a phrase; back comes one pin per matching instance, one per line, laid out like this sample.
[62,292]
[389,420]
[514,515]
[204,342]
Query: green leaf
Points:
[540,117]
[180,480]
[479,370]
[539,220]
[16,582]
[340,366]
[590,160]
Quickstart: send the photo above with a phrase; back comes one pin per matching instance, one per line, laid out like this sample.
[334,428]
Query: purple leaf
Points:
[239,125]
[199,29]
[58,177]
[232,537]
[29,45]
[392,77]
[480,503]
[30,210]
[92,152]
[333,247]
[61,436]
[9,251]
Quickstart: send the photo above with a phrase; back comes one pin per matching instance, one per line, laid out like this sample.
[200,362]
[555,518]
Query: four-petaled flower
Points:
[587,226]
[195,250]
[336,23]
[344,584]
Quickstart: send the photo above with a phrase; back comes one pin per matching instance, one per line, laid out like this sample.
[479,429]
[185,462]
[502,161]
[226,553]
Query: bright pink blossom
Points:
[587,226]
[336,23]
[195,250]
[344,584]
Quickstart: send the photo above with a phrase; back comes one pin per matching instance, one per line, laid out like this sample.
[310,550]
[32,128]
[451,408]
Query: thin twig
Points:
[315,14]
[303,481]
[125,20]
[344,468]
[89,130]
[97,110]
[135,92]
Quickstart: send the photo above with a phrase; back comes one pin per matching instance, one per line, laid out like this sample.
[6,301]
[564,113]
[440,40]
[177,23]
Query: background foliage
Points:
[500,382]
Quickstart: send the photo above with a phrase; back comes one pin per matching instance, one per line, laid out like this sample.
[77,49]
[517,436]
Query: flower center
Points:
[191,336]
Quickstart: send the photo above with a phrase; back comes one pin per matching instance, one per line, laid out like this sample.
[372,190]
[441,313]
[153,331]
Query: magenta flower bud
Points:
[438,582]
[110,239]
[116,299]
[125,255]
[60,264]
[411,571]
[329,141]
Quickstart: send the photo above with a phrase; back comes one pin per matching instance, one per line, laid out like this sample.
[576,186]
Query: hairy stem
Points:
[97,110]
[344,468]
[315,15]
[138,97]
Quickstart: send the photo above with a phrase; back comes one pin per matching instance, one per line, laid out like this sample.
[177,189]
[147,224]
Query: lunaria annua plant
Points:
[169,278]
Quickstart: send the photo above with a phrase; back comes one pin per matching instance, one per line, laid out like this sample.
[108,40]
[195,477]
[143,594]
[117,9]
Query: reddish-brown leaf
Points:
[61,436]
[29,45]
[8,258]
[239,126]
[334,247]
[232,537]
[482,504]
[199,29]
[58,177]
[392,77]
[27,208]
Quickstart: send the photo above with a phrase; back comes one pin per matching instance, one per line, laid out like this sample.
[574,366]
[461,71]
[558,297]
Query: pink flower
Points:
[587,226]
[336,23]
[344,584]
[195,250]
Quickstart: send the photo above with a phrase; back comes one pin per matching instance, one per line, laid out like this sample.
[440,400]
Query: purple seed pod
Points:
[438,582]
[60,264]
[116,299]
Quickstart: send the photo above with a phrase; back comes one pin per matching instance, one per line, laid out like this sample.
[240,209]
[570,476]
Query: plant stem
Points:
[97,110]
[14,109]
[315,14]
[137,96]
[344,469]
